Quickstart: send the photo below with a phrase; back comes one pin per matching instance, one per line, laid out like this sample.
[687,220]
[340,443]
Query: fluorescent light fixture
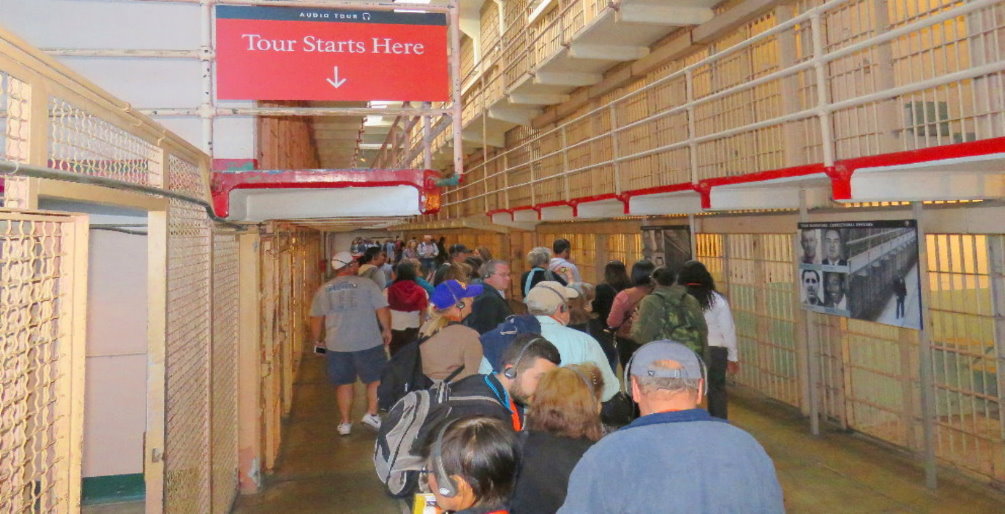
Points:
[411,2]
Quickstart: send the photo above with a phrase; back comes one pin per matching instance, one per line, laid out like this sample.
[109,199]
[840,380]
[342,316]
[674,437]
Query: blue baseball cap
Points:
[452,292]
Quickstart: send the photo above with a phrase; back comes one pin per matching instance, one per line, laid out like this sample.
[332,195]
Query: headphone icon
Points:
[444,483]
[510,372]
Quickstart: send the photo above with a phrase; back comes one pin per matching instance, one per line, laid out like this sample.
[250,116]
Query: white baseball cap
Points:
[548,295]
[341,260]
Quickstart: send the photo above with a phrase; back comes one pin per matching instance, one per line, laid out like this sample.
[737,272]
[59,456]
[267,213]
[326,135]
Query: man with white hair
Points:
[537,260]
[548,302]
[356,322]
[675,457]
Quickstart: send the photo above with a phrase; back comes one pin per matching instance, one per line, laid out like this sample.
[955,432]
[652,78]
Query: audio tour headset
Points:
[586,380]
[445,484]
[701,364]
[510,372]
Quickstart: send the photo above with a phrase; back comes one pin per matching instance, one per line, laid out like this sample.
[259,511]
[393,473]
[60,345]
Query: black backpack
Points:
[402,375]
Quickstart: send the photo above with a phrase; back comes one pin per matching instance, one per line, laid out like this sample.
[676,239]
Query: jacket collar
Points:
[548,320]
[680,416]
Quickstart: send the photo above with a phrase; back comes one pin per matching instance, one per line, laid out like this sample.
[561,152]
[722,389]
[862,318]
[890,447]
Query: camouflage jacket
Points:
[671,313]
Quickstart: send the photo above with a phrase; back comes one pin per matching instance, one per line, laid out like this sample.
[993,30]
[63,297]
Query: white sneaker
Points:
[344,428]
[372,421]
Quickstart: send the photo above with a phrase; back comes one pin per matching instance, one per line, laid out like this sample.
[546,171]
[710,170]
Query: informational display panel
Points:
[666,246]
[865,270]
[291,53]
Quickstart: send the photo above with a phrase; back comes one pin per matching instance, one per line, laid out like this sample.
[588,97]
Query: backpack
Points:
[495,341]
[548,275]
[402,375]
[397,452]
[678,324]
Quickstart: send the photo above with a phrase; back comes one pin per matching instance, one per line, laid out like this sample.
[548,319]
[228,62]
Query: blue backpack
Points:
[495,341]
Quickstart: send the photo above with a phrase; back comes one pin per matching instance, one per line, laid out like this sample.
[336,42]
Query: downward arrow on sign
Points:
[336,83]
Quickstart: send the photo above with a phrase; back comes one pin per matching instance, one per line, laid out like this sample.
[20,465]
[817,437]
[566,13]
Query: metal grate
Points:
[869,377]
[186,481]
[186,177]
[967,362]
[39,366]
[626,248]
[14,96]
[80,142]
[224,370]
[755,271]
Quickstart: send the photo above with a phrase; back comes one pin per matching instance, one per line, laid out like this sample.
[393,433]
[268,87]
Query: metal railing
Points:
[899,76]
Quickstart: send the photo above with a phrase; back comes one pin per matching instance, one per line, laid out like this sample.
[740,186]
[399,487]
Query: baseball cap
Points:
[451,291]
[548,295]
[341,260]
[458,248]
[643,362]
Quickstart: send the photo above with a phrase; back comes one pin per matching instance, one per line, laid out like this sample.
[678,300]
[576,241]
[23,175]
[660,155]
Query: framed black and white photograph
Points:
[865,270]
[667,245]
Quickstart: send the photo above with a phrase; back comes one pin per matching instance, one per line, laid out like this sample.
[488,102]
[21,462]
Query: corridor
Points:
[319,472]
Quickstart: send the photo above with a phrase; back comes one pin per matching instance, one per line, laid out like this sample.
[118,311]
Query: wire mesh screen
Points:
[186,177]
[37,457]
[80,142]
[14,96]
[224,370]
[966,360]
[186,480]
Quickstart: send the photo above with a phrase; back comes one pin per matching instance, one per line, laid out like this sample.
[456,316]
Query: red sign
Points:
[280,53]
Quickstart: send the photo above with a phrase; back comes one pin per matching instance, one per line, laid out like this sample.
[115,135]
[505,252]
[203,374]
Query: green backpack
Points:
[683,324]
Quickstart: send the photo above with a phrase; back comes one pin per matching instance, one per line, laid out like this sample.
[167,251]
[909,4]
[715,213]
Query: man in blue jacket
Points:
[676,457]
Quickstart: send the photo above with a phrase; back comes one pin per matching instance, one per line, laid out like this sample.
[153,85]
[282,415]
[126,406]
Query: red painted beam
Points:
[839,174]
[423,180]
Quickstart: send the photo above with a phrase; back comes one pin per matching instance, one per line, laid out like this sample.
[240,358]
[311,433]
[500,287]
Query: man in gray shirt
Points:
[357,325]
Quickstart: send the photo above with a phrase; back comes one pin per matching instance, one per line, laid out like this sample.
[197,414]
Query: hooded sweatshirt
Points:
[407,300]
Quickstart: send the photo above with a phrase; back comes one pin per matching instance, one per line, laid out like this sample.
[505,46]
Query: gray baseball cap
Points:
[645,358]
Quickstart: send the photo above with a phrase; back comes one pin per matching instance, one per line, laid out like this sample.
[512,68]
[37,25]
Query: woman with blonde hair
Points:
[449,346]
[563,421]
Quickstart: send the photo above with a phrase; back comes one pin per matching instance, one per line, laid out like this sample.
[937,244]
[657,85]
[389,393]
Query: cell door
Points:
[43,295]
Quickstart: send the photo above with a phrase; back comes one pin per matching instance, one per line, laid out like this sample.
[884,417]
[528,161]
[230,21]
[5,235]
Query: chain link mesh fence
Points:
[39,365]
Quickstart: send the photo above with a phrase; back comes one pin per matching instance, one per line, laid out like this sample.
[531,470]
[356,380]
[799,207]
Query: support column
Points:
[249,408]
[928,411]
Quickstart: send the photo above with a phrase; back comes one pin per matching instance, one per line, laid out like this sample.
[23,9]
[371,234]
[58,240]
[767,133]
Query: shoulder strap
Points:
[527,282]
[453,374]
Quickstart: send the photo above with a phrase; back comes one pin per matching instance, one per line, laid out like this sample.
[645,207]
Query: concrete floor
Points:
[320,472]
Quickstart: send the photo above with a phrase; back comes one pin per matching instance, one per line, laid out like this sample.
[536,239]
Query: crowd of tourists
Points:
[491,410]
